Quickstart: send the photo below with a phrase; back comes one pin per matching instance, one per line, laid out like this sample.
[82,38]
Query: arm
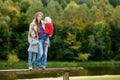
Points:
[36,42]
[33,42]
[30,27]
[51,30]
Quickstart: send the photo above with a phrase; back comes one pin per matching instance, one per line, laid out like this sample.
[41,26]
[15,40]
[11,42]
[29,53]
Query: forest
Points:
[85,30]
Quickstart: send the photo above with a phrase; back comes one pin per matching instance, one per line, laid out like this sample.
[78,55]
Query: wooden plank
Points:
[47,70]
[65,71]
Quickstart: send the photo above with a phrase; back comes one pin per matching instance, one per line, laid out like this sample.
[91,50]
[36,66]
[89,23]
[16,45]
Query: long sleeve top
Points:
[33,25]
[49,29]
[33,45]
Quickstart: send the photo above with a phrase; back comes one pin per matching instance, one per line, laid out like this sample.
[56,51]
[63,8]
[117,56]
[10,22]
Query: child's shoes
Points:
[46,43]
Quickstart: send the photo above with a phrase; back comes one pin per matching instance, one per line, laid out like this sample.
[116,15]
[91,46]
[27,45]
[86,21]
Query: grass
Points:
[56,64]
[16,65]
[113,77]
[84,64]
[108,77]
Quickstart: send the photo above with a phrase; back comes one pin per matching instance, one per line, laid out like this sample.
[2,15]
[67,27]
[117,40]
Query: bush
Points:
[83,57]
[12,58]
[117,57]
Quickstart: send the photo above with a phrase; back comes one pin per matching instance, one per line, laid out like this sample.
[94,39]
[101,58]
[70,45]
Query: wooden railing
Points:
[65,71]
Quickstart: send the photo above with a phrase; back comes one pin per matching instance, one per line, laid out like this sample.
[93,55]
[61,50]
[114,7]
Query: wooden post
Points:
[66,75]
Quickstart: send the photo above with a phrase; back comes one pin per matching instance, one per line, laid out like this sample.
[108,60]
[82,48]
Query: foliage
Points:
[35,6]
[115,26]
[4,36]
[60,64]
[98,35]
[24,5]
[12,58]
[80,26]
[53,9]
[83,56]
[23,46]
[115,2]
[117,57]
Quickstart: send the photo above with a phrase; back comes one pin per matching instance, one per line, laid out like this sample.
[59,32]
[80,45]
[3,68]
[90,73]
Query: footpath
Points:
[73,77]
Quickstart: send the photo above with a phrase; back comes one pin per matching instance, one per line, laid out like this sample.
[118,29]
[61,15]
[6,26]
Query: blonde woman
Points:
[39,26]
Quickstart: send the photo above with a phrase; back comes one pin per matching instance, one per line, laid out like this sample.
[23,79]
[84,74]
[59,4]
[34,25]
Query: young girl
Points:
[33,48]
[48,29]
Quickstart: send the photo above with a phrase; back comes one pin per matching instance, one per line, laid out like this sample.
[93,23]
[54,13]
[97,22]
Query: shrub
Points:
[12,58]
[83,57]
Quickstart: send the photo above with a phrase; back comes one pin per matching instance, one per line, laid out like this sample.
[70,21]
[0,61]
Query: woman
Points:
[39,26]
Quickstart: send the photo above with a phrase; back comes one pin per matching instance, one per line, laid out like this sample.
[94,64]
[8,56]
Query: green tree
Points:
[24,5]
[63,3]
[35,6]
[5,36]
[81,26]
[115,2]
[54,10]
[23,46]
[115,26]
[85,14]
[98,41]
[73,27]
[8,13]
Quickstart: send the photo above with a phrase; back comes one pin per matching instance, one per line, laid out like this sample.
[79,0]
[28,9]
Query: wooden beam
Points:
[47,70]
[65,71]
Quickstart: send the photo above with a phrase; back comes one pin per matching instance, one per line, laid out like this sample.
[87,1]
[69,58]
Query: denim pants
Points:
[31,58]
[46,36]
[42,54]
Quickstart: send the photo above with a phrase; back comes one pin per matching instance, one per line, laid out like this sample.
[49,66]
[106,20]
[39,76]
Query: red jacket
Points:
[49,29]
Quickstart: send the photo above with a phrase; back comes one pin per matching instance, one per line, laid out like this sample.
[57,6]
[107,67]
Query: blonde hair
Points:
[48,19]
[34,32]
[36,21]
[38,13]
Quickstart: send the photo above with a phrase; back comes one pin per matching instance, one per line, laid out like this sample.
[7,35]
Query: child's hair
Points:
[48,19]
[34,32]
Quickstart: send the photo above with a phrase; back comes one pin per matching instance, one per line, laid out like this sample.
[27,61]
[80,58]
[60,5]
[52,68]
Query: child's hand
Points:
[50,35]
[37,41]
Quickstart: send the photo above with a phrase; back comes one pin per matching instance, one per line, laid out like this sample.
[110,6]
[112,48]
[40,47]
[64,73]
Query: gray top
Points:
[33,47]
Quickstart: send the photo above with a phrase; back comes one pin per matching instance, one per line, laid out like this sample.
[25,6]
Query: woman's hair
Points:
[36,21]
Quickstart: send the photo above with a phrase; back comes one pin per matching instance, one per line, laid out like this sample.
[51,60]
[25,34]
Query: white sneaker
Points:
[30,68]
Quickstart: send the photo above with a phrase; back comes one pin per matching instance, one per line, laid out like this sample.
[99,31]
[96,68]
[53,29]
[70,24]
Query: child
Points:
[33,48]
[48,29]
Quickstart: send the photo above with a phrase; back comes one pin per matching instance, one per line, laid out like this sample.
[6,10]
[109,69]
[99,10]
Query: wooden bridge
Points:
[64,71]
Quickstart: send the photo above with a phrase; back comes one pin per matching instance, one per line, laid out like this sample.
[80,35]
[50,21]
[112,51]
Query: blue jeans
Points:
[46,36]
[42,54]
[31,58]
